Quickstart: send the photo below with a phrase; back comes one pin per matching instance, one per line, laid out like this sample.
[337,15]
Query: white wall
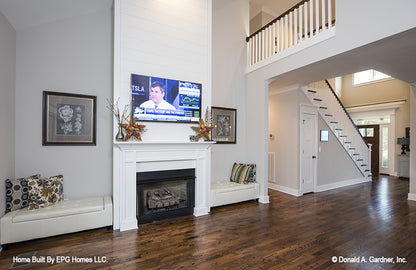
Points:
[229,22]
[168,39]
[7,104]
[74,56]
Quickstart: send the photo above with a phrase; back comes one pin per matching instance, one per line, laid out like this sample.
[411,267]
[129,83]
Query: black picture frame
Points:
[225,125]
[68,119]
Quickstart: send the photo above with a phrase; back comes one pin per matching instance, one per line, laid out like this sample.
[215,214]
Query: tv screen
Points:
[160,99]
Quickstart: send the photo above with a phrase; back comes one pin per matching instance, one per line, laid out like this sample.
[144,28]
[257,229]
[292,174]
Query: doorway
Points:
[308,149]
[371,135]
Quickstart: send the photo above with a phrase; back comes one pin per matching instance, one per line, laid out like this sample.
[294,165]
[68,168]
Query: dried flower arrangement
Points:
[126,123]
[205,127]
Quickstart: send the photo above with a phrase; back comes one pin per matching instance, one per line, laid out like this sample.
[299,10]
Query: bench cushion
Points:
[231,192]
[65,208]
[65,217]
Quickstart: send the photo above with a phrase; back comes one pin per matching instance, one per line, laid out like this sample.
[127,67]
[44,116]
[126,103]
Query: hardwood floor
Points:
[365,221]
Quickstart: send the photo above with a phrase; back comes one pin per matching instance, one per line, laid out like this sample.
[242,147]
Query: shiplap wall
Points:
[163,38]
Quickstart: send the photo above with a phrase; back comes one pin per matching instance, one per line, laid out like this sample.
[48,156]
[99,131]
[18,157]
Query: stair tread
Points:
[317,99]
[322,107]
[333,122]
[328,115]
[312,91]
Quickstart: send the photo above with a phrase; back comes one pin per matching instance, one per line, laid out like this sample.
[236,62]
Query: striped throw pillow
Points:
[241,173]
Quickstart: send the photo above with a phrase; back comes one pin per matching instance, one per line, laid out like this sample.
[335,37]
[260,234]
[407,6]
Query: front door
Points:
[371,136]
[308,152]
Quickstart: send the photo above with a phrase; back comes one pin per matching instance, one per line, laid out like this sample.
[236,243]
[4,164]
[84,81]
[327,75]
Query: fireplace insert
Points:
[165,194]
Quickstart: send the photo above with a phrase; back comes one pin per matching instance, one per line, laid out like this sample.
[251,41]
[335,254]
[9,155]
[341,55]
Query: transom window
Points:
[367,132]
[367,76]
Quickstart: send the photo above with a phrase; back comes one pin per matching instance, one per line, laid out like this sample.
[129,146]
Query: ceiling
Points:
[27,13]
[272,7]
[394,55]
[399,64]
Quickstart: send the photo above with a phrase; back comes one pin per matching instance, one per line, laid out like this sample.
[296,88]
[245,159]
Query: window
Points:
[367,76]
[385,147]
[367,132]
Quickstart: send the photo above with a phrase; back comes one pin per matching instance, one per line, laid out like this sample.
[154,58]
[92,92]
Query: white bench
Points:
[64,217]
[231,192]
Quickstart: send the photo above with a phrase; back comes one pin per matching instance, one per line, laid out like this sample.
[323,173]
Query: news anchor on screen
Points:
[157,94]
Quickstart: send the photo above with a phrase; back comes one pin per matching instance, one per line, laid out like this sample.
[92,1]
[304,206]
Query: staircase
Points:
[337,118]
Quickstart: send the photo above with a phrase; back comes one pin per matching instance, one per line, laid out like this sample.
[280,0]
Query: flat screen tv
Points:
[161,99]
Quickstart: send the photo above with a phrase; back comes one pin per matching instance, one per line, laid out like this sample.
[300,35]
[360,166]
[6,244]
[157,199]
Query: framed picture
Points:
[225,125]
[324,135]
[68,119]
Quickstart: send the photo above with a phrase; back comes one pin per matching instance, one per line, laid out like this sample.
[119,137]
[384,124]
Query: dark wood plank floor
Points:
[362,221]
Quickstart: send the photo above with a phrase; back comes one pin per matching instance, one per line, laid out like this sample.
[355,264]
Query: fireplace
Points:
[165,194]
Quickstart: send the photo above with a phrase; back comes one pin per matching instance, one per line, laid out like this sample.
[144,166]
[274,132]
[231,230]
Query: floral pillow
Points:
[45,192]
[17,193]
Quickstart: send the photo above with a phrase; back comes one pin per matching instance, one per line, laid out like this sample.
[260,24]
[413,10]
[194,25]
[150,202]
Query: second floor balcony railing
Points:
[302,22]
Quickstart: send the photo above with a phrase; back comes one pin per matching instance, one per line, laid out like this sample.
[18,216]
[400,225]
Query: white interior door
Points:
[308,152]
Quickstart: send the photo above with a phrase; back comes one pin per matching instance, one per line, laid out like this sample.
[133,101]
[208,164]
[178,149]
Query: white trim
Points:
[380,106]
[308,109]
[411,197]
[343,184]
[287,190]
[264,199]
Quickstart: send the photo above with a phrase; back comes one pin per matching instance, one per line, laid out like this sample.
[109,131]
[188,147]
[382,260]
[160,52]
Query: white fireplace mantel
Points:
[130,158]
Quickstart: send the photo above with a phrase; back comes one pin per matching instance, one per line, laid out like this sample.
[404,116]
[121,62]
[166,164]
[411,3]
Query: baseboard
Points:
[264,199]
[287,190]
[411,197]
[201,211]
[342,184]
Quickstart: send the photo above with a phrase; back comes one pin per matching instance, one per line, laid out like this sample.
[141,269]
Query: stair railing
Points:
[301,22]
[346,112]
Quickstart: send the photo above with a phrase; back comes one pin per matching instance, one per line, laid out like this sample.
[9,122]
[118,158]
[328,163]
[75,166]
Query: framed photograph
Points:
[324,135]
[225,125]
[68,119]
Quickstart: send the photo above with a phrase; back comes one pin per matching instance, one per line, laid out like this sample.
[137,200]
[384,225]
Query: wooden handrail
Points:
[345,110]
[278,18]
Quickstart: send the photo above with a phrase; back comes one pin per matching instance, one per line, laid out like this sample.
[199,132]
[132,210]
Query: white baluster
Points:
[274,38]
[257,48]
[300,22]
[311,18]
[323,15]
[290,29]
[329,14]
[263,44]
[286,31]
[305,13]
[317,16]
[296,27]
[282,33]
[270,39]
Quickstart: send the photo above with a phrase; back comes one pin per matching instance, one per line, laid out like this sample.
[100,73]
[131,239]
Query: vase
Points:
[120,134]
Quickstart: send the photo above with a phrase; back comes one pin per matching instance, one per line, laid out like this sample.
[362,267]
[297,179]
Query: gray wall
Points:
[334,164]
[74,56]
[7,104]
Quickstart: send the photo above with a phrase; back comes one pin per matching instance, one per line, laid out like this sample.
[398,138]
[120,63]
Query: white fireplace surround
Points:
[130,158]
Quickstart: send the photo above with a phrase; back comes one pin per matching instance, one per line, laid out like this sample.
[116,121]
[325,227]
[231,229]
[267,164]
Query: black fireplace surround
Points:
[165,194]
